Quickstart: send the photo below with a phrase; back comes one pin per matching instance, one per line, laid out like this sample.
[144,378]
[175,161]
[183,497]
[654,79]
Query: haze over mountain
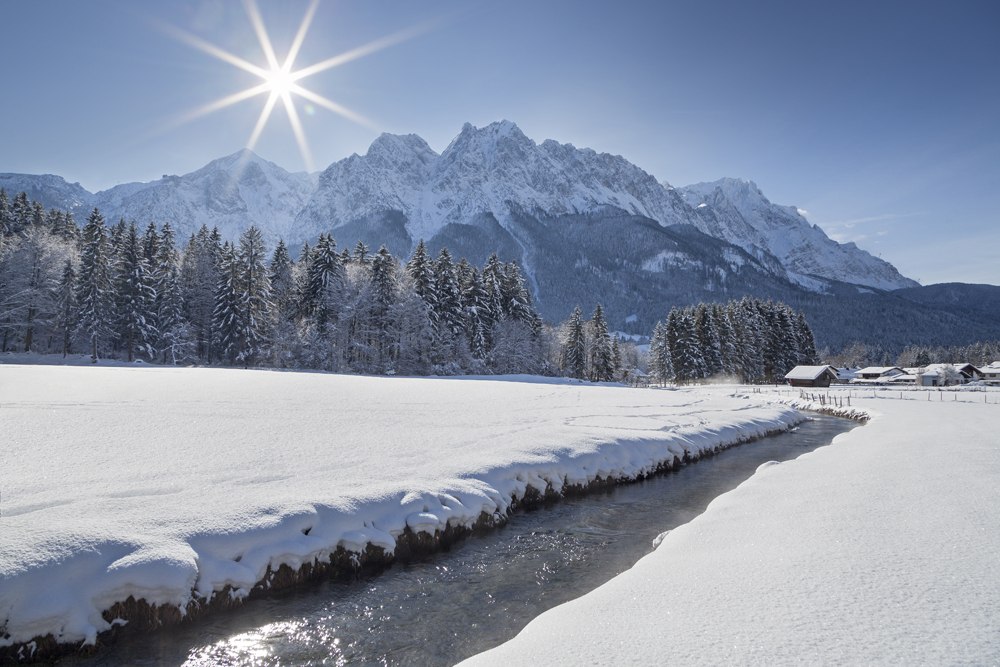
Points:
[585,226]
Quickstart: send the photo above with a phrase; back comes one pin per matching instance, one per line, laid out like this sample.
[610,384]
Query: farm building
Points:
[845,375]
[811,376]
[991,373]
[877,374]
[945,375]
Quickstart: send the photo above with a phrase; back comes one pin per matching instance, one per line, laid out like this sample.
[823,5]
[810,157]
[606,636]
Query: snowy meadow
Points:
[879,549]
[178,485]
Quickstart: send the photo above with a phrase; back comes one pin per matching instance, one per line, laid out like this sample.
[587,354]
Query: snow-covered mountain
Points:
[492,188]
[737,211]
[230,193]
[498,172]
[49,190]
[494,170]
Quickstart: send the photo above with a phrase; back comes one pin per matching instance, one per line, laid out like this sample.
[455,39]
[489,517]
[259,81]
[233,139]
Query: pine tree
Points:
[20,214]
[383,294]
[474,308]
[708,340]
[94,290]
[150,244]
[448,297]
[492,277]
[685,350]
[574,348]
[806,343]
[37,215]
[660,363]
[280,273]
[201,268]
[601,356]
[173,334]
[253,298]
[361,253]
[135,298]
[6,217]
[226,315]
[68,314]
[325,279]
[421,272]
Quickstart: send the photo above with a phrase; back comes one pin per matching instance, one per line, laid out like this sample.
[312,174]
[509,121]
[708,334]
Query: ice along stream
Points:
[481,593]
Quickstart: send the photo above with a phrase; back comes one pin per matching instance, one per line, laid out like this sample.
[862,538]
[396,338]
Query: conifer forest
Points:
[119,292]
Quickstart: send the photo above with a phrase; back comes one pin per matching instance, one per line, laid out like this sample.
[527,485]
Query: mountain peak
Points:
[235,160]
[398,147]
[494,134]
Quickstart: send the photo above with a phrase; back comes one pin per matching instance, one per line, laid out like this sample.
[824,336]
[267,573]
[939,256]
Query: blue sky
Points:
[880,119]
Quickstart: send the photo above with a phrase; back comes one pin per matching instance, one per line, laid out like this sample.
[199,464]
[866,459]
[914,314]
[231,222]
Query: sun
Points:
[280,81]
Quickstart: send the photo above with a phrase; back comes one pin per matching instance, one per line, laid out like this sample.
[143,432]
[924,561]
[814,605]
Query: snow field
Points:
[171,484]
[880,549]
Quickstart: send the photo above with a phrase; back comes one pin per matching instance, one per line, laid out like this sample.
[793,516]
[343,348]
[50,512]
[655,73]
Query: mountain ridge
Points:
[485,185]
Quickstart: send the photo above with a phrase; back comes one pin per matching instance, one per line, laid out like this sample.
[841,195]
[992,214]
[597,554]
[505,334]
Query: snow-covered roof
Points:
[808,372]
[879,370]
[846,373]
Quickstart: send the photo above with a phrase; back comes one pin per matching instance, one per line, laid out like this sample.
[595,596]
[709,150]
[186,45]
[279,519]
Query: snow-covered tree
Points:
[253,298]
[173,334]
[421,272]
[601,360]
[660,364]
[134,298]
[95,295]
[573,360]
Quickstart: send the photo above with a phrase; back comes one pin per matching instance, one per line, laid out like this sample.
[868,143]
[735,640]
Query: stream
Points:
[477,595]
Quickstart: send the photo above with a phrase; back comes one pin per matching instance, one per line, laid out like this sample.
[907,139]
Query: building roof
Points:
[879,370]
[809,372]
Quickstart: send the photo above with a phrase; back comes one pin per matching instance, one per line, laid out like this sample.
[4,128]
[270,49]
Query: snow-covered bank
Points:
[174,484]
[881,549]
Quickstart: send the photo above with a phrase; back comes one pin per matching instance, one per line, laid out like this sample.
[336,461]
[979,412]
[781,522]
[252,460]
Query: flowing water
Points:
[481,593]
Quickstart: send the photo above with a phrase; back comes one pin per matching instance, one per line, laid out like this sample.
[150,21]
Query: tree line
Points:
[749,340]
[113,291]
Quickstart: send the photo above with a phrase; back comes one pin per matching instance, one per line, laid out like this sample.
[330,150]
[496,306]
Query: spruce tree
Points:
[324,285]
[421,272]
[173,334]
[68,315]
[20,214]
[383,296]
[94,289]
[660,363]
[280,273]
[226,314]
[362,253]
[601,355]
[475,309]
[253,298]
[574,347]
[6,218]
[448,298]
[135,298]
[200,277]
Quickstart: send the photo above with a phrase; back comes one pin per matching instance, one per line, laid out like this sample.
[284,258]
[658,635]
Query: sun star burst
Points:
[280,80]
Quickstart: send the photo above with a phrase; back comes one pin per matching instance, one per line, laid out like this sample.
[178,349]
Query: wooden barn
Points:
[811,376]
